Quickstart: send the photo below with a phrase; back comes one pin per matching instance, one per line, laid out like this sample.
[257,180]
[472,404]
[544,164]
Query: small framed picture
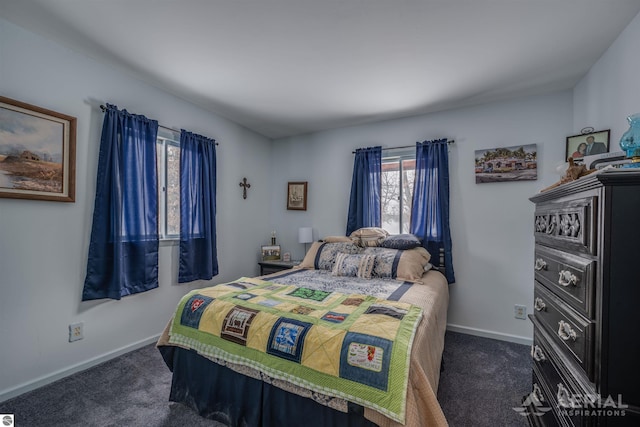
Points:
[286,257]
[297,196]
[587,144]
[271,253]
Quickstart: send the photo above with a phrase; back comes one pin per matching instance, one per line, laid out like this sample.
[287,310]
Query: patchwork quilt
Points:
[351,346]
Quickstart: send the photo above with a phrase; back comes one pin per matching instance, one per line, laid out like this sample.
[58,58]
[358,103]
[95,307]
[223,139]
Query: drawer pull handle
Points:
[566,278]
[537,393]
[564,397]
[537,354]
[539,305]
[540,264]
[566,332]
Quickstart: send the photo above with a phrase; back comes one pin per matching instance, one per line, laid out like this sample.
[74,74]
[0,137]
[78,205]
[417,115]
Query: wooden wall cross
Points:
[244,184]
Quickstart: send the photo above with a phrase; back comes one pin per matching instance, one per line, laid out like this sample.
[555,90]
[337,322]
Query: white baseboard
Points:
[489,334]
[62,373]
[65,372]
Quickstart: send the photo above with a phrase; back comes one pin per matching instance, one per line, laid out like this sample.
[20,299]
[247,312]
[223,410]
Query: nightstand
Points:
[269,267]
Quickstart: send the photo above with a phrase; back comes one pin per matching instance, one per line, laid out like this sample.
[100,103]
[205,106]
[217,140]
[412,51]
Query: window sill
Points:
[169,242]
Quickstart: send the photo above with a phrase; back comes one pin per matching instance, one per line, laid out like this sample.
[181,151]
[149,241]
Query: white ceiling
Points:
[287,67]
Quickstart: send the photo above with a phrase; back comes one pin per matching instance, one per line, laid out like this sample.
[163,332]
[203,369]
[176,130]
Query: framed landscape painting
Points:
[37,152]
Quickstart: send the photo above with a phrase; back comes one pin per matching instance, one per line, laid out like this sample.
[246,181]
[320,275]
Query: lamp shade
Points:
[305,235]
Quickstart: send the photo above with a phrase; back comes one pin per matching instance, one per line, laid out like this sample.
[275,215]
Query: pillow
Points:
[353,265]
[337,239]
[310,256]
[369,236]
[401,241]
[322,255]
[399,264]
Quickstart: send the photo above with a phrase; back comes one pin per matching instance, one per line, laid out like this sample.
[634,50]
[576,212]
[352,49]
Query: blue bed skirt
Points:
[219,393]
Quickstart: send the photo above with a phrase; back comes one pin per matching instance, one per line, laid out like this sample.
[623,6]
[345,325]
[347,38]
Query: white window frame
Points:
[399,158]
[162,143]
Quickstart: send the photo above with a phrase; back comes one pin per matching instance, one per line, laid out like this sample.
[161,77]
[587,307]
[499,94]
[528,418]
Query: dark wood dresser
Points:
[586,318]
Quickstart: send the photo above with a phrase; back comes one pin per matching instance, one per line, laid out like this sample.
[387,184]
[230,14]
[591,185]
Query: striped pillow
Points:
[322,256]
[369,236]
[398,264]
[358,265]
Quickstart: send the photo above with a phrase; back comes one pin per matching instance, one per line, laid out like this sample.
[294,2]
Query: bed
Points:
[368,325]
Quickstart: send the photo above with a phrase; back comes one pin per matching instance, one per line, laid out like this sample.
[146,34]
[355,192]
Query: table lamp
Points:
[305,235]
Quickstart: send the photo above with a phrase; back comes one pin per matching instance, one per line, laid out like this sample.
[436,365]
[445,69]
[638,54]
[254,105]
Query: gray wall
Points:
[491,224]
[610,92]
[43,245]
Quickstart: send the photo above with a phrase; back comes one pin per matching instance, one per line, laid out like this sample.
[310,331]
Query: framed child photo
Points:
[271,253]
[587,144]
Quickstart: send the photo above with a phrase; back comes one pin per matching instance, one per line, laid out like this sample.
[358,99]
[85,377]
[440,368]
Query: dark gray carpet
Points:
[482,381]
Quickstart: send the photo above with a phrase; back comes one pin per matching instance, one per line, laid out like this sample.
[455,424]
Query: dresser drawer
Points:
[559,395]
[568,225]
[571,331]
[571,393]
[569,276]
[538,406]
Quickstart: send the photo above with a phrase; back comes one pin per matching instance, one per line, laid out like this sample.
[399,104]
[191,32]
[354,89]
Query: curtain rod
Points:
[449,142]
[103,108]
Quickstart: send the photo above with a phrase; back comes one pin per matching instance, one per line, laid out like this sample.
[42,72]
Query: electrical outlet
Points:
[75,332]
[520,311]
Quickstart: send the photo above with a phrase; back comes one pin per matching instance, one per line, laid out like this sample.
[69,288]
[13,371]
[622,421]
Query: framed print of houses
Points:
[517,163]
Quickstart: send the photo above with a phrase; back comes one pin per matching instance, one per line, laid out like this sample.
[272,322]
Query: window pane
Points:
[160,169]
[390,196]
[173,189]
[408,178]
[397,193]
